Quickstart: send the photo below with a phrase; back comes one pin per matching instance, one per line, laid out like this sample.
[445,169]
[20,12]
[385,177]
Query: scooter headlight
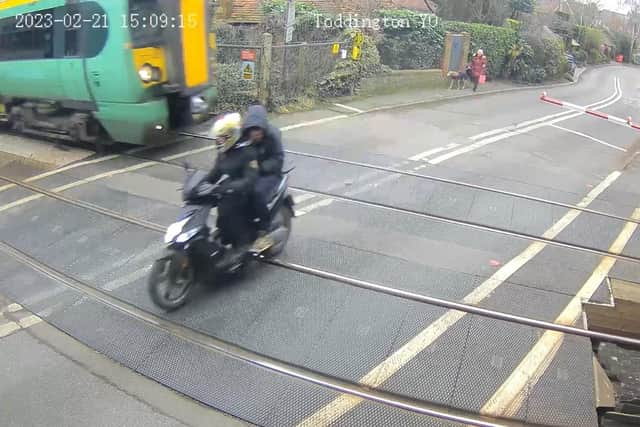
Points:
[186,236]
[174,231]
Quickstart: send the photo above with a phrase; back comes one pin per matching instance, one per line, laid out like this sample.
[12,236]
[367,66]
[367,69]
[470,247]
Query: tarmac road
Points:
[388,343]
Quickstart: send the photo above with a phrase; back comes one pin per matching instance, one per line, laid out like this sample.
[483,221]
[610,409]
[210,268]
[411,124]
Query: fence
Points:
[272,74]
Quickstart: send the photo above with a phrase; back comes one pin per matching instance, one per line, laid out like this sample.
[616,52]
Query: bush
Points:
[347,74]
[623,44]
[591,40]
[415,47]
[521,64]
[549,55]
[420,46]
[496,42]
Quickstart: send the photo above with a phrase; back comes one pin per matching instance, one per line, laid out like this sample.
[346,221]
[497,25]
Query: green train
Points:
[103,71]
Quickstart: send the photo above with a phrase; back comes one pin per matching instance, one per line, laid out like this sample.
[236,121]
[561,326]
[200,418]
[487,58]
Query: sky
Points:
[612,5]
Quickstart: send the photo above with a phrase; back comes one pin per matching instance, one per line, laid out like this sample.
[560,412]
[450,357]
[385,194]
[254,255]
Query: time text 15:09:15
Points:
[159,20]
[96,20]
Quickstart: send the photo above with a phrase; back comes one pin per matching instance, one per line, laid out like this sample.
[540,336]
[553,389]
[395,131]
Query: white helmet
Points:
[227,131]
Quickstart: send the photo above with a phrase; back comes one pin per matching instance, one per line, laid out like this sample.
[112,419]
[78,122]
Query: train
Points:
[106,71]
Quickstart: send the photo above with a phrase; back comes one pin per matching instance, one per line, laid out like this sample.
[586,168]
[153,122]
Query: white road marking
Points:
[346,107]
[382,372]
[506,401]
[313,122]
[12,308]
[126,280]
[98,177]
[427,153]
[500,137]
[301,198]
[517,126]
[188,153]
[8,328]
[584,135]
[540,119]
[62,169]
[534,124]
[27,322]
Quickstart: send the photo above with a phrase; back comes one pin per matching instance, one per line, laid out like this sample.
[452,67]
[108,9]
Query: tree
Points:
[633,21]
[521,6]
[491,12]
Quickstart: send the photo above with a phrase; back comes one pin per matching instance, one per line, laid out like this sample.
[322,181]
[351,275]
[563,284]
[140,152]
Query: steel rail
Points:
[259,360]
[464,184]
[360,283]
[474,225]
[459,222]
[445,181]
[467,308]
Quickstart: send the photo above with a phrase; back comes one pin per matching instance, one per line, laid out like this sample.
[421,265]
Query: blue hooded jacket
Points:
[270,151]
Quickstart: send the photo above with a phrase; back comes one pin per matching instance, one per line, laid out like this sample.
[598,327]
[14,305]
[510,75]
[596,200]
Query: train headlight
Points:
[146,73]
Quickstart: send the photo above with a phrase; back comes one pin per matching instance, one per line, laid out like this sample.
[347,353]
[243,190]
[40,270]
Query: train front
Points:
[169,41]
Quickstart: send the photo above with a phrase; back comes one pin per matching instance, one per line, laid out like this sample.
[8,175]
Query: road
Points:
[509,141]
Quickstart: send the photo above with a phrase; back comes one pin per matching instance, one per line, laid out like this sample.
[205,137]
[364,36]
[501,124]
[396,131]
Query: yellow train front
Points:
[131,71]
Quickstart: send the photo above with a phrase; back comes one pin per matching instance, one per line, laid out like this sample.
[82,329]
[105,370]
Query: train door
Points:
[71,69]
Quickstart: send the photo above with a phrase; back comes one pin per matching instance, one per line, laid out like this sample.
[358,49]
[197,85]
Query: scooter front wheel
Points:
[171,281]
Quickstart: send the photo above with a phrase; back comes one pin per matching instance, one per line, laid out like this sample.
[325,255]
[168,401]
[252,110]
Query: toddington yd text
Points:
[354,21]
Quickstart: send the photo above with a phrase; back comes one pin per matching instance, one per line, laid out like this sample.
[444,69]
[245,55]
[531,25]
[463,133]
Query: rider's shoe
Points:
[233,258]
[262,243]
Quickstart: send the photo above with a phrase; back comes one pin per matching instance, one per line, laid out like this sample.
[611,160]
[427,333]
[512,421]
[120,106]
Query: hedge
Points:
[496,42]
[419,46]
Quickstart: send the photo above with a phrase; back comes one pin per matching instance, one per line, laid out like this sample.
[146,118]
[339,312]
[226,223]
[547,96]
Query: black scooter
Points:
[194,254]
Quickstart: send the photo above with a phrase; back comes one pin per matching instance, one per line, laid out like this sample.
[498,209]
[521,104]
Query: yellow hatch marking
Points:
[381,373]
[507,400]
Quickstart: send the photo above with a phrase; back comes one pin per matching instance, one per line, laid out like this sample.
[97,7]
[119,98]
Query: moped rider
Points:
[237,162]
[267,141]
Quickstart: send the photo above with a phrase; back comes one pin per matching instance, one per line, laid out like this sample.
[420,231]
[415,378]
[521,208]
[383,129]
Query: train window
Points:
[20,44]
[71,43]
[140,22]
[63,39]
[89,40]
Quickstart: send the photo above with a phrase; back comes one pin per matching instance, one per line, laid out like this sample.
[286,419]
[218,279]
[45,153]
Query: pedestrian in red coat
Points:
[478,67]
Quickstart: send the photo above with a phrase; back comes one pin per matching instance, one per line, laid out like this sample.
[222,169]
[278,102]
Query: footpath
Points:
[47,378]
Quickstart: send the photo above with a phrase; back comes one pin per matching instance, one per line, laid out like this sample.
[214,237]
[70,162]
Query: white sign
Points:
[291,21]
[248,70]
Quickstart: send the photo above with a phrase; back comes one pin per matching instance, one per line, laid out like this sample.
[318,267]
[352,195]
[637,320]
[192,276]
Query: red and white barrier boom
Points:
[627,122]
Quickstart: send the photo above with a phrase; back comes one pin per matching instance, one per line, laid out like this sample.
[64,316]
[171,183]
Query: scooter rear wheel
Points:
[283,219]
[171,281]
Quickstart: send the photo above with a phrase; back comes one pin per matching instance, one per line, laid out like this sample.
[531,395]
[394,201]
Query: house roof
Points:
[250,11]
[554,6]
[242,12]
[417,5]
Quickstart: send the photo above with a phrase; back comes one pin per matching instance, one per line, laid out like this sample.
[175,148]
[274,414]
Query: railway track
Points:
[451,221]
[231,350]
[262,361]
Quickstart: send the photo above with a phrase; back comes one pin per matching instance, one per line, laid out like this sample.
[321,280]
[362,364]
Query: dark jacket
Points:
[241,164]
[269,150]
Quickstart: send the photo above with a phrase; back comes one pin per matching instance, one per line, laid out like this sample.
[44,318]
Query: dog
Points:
[458,77]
